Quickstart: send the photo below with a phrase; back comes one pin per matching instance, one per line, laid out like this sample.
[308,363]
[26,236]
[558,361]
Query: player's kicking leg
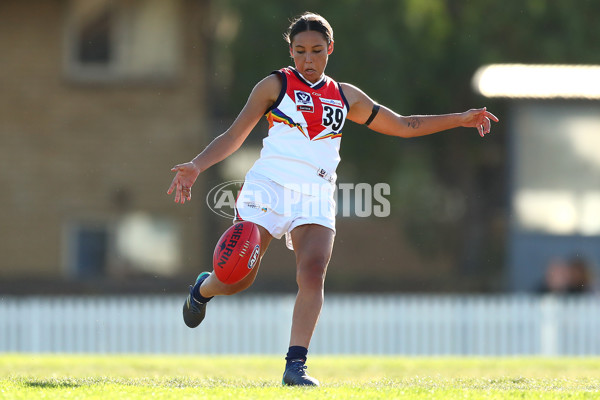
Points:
[207,286]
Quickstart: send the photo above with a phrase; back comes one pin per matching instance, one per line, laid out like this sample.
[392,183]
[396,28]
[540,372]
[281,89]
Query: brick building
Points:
[98,100]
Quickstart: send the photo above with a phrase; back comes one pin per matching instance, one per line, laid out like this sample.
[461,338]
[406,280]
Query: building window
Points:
[135,244]
[115,41]
[88,250]
[557,168]
[93,40]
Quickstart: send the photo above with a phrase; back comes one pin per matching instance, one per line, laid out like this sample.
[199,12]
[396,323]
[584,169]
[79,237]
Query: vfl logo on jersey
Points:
[304,101]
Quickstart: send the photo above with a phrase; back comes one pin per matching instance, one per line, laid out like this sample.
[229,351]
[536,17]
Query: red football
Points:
[237,252]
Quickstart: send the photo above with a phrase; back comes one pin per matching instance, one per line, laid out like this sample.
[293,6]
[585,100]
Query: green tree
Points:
[417,57]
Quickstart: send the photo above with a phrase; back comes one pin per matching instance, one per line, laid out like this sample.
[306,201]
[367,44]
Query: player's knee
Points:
[311,274]
[228,290]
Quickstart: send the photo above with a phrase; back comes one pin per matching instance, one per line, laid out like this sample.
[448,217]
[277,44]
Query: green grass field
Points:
[26,376]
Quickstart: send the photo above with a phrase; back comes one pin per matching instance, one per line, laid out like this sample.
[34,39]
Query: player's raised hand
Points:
[479,118]
[183,181]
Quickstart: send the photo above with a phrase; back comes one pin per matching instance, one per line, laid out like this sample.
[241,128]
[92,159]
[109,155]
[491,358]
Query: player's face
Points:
[310,52]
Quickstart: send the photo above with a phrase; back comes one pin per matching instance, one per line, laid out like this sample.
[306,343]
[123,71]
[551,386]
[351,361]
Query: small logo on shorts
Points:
[325,175]
[256,206]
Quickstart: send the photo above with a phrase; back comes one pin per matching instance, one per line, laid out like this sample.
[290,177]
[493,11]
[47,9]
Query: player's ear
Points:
[330,48]
[291,52]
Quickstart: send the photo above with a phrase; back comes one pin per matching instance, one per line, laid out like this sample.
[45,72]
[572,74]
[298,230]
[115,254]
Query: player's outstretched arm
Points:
[262,97]
[390,123]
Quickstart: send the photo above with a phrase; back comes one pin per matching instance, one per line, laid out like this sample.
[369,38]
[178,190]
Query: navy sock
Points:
[295,353]
[196,293]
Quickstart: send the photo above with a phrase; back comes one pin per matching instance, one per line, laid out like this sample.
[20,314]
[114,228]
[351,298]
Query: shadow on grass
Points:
[50,384]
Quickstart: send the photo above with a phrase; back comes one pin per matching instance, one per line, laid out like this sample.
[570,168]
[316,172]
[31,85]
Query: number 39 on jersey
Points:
[333,114]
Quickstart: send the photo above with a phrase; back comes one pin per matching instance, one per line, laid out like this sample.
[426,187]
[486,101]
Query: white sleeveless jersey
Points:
[302,149]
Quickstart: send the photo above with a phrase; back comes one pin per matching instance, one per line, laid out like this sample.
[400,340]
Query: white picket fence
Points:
[260,324]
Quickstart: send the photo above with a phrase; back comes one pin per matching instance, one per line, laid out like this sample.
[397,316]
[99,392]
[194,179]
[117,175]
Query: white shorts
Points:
[279,209]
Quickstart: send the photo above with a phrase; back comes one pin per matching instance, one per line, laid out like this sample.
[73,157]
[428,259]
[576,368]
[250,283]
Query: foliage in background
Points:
[417,57]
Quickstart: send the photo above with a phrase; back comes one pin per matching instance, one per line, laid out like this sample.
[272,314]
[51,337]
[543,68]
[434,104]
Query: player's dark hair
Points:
[309,21]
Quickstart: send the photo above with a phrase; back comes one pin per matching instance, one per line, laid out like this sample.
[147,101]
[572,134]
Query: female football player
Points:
[306,111]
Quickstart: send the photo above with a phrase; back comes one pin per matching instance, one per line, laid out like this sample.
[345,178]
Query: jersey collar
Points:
[316,85]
